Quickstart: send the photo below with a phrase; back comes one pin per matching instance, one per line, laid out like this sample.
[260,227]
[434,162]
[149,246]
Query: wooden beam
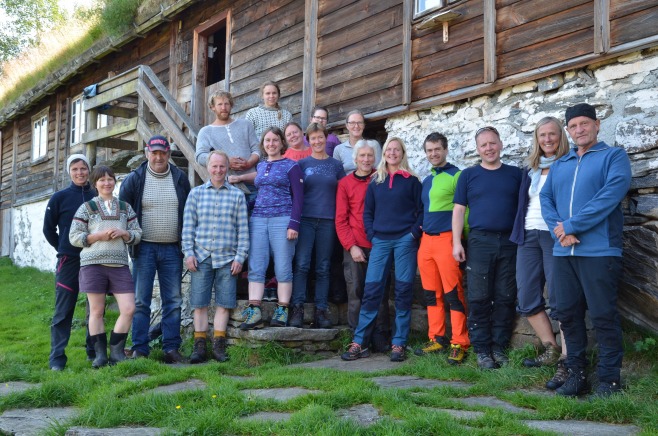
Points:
[110,95]
[310,59]
[58,123]
[407,17]
[118,80]
[601,26]
[14,144]
[174,38]
[227,59]
[118,128]
[116,143]
[118,112]
[489,41]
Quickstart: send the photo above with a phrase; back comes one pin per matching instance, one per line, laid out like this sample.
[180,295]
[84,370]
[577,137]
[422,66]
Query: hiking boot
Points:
[117,345]
[174,356]
[500,358]
[252,318]
[219,349]
[440,343]
[321,319]
[485,361]
[355,352]
[605,389]
[297,317]
[457,354]
[575,385]
[199,352]
[139,355]
[549,357]
[559,377]
[100,347]
[397,353]
[280,317]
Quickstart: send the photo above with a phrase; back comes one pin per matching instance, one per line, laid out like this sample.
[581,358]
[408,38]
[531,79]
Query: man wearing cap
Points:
[236,137]
[157,191]
[581,204]
[56,223]
[490,190]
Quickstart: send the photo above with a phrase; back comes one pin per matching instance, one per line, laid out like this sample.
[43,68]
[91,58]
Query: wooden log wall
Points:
[632,20]
[359,56]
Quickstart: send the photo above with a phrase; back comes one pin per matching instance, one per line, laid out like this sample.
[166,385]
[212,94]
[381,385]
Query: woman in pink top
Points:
[295,138]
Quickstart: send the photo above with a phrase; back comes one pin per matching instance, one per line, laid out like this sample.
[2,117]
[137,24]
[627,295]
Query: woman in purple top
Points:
[317,229]
[273,227]
[320,115]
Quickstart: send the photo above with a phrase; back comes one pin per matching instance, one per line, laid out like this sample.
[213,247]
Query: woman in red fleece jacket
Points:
[350,200]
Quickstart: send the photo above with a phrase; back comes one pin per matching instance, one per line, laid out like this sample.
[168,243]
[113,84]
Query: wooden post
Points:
[601,26]
[58,122]
[407,16]
[90,147]
[310,64]
[489,41]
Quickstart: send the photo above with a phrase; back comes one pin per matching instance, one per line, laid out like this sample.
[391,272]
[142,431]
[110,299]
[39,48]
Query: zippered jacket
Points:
[585,193]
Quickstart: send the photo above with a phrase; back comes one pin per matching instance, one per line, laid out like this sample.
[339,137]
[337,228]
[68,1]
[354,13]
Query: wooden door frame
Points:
[200,59]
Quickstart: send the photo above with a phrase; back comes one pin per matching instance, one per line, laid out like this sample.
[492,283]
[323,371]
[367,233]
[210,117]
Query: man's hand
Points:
[458,252]
[238,164]
[559,232]
[569,240]
[236,267]
[292,234]
[191,263]
[357,254]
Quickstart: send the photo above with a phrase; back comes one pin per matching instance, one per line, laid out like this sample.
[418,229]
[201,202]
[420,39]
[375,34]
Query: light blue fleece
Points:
[585,193]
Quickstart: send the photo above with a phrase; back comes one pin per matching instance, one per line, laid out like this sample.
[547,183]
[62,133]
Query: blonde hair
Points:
[218,153]
[532,161]
[217,95]
[382,168]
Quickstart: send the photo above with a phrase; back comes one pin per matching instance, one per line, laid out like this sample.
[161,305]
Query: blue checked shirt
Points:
[215,224]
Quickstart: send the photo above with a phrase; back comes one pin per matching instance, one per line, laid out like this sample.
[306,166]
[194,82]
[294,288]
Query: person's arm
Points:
[417,229]
[50,223]
[189,226]
[242,178]
[548,204]
[613,191]
[79,233]
[134,230]
[202,147]
[369,212]
[243,236]
[343,227]
[296,180]
[458,214]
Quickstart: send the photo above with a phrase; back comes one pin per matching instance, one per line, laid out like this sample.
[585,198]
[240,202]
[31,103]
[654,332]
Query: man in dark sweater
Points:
[490,190]
[157,191]
[56,223]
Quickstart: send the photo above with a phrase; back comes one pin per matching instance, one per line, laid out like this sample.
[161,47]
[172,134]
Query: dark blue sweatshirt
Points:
[59,214]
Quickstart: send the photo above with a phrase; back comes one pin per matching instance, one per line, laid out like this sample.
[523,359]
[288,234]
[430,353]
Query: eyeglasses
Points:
[356,123]
[319,118]
[487,129]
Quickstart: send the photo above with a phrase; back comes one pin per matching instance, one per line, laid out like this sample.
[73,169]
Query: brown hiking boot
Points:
[560,376]
[199,352]
[549,357]
[219,349]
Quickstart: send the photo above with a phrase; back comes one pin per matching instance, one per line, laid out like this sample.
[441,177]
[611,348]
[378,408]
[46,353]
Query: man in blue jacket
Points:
[56,224]
[581,204]
[157,191]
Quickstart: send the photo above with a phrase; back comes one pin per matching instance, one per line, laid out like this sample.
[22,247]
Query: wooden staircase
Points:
[141,107]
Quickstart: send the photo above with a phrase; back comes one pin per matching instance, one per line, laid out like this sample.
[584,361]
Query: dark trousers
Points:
[590,283]
[491,292]
[66,297]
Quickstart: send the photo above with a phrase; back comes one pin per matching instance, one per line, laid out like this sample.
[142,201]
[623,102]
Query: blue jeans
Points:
[491,290]
[269,235]
[403,251]
[321,234]
[207,278]
[167,261]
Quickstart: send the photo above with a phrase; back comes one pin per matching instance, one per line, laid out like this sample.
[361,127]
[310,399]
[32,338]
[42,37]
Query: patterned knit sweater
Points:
[264,117]
[93,216]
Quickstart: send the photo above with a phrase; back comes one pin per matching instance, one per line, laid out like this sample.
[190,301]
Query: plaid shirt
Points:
[215,224]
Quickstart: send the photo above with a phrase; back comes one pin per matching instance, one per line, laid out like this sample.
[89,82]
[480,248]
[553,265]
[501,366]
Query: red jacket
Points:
[350,199]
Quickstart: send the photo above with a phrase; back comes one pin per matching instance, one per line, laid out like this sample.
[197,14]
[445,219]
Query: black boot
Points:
[117,345]
[199,353]
[321,319]
[219,349]
[575,385]
[297,317]
[100,347]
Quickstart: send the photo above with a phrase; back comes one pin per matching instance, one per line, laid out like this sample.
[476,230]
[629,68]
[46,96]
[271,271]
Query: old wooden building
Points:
[385,57]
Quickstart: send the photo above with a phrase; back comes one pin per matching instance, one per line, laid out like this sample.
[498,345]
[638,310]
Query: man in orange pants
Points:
[439,271]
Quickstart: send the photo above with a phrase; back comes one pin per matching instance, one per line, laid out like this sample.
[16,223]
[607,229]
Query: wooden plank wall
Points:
[632,20]
[531,34]
[6,169]
[267,43]
[439,67]
[359,58]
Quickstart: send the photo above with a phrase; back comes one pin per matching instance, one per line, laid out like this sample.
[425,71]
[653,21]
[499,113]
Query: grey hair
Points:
[363,143]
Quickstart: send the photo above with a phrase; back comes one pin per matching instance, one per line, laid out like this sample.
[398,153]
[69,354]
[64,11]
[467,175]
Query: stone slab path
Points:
[33,421]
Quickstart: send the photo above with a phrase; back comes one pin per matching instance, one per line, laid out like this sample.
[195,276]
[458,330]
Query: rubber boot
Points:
[117,345]
[100,347]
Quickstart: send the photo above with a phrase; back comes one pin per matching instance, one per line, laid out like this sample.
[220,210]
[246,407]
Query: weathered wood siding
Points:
[267,43]
[439,67]
[359,56]
[631,20]
[6,171]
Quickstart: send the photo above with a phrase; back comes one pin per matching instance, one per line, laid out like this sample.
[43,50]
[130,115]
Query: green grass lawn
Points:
[107,399]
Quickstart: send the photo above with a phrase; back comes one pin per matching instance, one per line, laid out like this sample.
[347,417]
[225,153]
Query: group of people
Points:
[279,201]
